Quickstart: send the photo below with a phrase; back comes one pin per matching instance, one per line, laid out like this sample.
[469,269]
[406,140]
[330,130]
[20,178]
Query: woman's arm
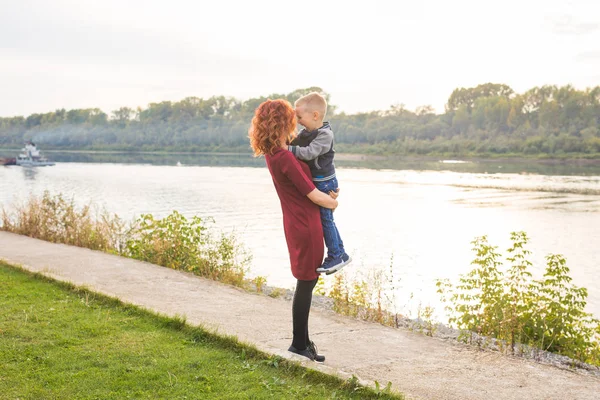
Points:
[291,168]
[322,199]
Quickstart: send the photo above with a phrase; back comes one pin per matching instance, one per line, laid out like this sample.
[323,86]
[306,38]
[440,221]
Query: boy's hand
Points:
[334,195]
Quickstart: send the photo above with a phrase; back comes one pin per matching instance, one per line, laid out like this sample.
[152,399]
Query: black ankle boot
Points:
[305,353]
[313,348]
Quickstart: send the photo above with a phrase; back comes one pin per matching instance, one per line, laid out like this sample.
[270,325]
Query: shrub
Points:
[509,305]
[173,241]
[179,243]
[56,219]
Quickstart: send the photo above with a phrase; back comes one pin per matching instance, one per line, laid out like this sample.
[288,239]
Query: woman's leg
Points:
[300,312]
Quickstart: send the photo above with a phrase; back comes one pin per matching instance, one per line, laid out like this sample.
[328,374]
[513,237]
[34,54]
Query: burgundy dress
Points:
[301,217]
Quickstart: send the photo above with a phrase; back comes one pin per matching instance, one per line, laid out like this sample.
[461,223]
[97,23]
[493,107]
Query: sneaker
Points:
[328,260]
[346,258]
[334,264]
[313,348]
[307,352]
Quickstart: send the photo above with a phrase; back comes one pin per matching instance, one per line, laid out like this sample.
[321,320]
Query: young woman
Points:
[273,124]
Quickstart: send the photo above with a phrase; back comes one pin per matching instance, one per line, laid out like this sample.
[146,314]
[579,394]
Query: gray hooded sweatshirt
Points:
[316,149]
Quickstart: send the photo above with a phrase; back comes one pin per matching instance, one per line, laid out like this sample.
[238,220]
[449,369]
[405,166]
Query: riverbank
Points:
[121,351]
[444,332]
[345,155]
[420,366]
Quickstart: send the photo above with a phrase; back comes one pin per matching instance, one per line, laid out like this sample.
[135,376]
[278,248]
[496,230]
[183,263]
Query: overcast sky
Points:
[367,54]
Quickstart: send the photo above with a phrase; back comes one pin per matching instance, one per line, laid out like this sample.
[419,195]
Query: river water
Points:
[421,213]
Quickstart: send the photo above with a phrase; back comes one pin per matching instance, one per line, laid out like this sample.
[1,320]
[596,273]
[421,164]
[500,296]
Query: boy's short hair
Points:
[313,102]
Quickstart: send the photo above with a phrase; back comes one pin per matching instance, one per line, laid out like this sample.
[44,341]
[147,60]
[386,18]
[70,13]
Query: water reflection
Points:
[29,173]
[518,166]
[172,159]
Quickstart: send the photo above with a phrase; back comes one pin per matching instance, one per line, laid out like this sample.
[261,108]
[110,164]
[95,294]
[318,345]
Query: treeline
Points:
[488,119]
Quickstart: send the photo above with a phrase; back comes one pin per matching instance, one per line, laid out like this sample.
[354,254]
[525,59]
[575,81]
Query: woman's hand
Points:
[334,194]
[322,199]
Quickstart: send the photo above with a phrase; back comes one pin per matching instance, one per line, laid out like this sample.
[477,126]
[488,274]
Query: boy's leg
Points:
[336,257]
[342,251]
[330,232]
[341,243]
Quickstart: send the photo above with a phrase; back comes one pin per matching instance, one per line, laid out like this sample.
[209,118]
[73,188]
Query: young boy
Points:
[314,144]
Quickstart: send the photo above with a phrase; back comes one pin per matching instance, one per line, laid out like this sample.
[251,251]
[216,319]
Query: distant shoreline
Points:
[517,158]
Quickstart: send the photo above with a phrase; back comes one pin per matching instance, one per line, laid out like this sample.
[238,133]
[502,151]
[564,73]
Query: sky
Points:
[368,55]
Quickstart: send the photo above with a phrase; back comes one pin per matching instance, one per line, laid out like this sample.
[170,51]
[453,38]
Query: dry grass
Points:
[174,241]
[56,219]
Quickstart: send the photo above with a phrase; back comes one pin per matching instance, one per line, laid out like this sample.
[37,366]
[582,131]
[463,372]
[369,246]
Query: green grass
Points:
[58,341]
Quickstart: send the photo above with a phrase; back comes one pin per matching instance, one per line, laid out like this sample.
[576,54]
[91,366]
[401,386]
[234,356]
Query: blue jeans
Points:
[333,241]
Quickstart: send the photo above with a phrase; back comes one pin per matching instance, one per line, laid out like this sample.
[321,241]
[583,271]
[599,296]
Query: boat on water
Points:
[31,157]
[8,161]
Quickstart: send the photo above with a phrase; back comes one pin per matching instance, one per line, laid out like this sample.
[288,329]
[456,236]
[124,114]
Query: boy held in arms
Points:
[314,145]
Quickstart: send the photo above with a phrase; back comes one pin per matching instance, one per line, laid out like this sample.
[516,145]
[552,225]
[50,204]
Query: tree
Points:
[424,110]
[123,115]
[468,96]
[487,118]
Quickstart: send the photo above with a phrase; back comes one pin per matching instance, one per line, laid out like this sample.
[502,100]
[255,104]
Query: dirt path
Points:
[419,366]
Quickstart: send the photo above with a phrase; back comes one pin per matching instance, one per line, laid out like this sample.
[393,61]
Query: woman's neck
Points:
[283,143]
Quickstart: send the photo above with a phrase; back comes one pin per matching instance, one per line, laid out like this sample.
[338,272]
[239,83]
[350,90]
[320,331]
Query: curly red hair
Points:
[273,120]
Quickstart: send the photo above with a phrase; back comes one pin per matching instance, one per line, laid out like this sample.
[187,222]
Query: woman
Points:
[273,124]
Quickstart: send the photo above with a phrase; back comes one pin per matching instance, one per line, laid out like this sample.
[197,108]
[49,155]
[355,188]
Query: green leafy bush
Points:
[509,305]
[187,244]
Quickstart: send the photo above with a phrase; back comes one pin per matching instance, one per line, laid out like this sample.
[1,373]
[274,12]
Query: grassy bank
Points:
[59,341]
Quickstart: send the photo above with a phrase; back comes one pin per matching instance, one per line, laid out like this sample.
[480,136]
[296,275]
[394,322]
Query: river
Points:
[423,213]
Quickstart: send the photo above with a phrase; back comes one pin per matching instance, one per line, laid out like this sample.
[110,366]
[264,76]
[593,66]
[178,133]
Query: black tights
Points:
[300,311]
